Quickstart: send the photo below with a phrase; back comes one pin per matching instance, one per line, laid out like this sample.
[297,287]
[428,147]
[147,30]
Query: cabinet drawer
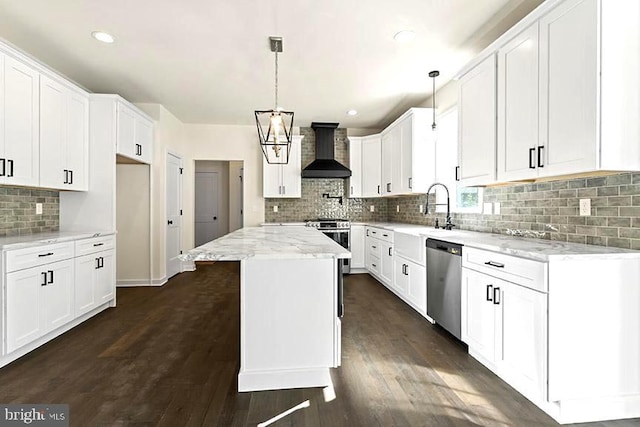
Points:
[525,272]
[374,247]
[380,233]
[373,265]
[19,259]
[94,244]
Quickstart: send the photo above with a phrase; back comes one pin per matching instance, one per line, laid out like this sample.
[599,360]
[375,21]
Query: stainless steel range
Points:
[339,230]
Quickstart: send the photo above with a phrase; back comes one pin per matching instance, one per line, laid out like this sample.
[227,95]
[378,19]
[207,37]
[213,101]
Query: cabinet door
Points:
[569,88]
[357,246]
[417,281]
[518,107]
[84,289]
[387,162]
[477,124]
[292,172]
[371,167]
[386,261]
[77,142]
[106,277]
[57,295]
[271,180]
[53,134]
[478,313]
[126,131]
[405,174]
[355,164]
[400,278]
[23,306]
[522,355]
[143,139]
[21,124]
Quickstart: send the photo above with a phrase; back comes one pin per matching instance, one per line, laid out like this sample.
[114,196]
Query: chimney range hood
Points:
[325,165]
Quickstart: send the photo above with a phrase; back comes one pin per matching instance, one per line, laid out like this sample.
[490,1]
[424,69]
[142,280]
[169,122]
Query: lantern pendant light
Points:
[433,75]
[275,126]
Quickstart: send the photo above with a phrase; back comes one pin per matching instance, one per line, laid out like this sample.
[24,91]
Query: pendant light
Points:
[275,126]
[433,75]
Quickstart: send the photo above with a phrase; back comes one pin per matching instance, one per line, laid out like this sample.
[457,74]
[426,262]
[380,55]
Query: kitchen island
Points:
[290,303]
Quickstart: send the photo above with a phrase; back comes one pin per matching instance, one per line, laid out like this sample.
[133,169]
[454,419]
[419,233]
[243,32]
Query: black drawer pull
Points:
[97,244]
[374,265]
[44,278]
[10,167]
[374,247]
[494,264]
[531,162]
[390,251]
[489,292]
[44,255]
[50,281]
[496,296]
[540,147]
[385,235]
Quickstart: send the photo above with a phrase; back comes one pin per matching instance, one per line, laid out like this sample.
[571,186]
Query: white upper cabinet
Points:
[64,136]
[284,181]
[569,88]
[371,166]
[408,153]
[135,134]
[19,123]
[477,125]
[354,185]
[518,94]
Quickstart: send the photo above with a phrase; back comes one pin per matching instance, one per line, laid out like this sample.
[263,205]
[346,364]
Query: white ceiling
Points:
[208,61]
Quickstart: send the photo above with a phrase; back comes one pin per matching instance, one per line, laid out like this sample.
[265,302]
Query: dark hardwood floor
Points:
[169,356]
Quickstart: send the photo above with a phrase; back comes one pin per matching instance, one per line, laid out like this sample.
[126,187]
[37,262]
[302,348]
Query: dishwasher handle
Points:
[444,246]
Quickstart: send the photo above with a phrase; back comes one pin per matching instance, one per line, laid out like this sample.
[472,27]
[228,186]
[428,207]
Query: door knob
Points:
[170,222]
[215,218]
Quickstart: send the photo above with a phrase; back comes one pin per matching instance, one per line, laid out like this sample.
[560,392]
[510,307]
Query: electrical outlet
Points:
[487,208]
[420,208]
[372,208]
[585,207]
[38,208]
[275,208]
[397,208]
[496,208]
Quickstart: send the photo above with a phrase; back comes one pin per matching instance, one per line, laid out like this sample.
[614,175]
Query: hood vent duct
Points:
[325,165]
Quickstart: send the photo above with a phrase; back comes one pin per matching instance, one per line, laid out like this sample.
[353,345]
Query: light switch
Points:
[372,208]
[38,208]
[275,208]
[420,208]
[585,207]
[397,208]
[487,209]
[496,208]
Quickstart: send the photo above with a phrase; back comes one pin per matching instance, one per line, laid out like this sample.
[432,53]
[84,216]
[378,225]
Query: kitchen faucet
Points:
[448,225]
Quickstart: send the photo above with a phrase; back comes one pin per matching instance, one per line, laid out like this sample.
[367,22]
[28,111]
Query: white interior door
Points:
[207,193]
[174,219]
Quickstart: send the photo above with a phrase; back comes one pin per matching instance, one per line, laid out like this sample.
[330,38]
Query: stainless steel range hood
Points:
[325,165]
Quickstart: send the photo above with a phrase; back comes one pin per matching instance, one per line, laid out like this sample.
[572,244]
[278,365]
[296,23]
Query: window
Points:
[462,199]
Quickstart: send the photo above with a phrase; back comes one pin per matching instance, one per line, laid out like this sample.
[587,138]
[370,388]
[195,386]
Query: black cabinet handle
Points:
[10,168]
[489,292]
[44,278]
[385,235]
[50,281]
[351,190]
[66,176]
[374,265]
[3,161]
[390,252]
[141,149]
[367,233]
[44,255]
[540,147]
[388,187]
[70,177]
[101,262]
[457,171]
[494,264]
[531,153]
[374,247]
[378,185]
[97,244]
[410,182]
[496,296]
[97,263]
[406,269]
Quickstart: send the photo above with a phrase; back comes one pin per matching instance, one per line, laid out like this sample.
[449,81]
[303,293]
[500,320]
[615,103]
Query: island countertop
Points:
[269,243]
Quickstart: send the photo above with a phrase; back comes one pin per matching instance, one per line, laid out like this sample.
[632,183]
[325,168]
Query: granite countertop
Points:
[536,249]
[37,239]
[268,242]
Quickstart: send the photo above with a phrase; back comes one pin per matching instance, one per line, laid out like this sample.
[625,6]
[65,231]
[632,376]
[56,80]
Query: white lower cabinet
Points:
[506,325]
[386,261]
[411,283]
[95,276]
[357,246]
[39,300]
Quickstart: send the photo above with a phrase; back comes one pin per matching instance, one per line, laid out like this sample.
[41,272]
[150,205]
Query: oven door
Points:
[342,238]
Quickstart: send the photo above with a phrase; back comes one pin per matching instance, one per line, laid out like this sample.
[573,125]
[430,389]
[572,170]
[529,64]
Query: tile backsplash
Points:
[18,211]
[551,208]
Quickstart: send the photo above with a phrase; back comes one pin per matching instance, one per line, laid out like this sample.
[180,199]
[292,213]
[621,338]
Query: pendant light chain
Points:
[277,48]
[433,75]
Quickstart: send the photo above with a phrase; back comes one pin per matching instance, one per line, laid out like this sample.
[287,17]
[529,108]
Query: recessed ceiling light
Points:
[103,37]
[352,112]
[404,36]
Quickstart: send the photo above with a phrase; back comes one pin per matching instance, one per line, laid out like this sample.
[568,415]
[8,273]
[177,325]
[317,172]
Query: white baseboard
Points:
[129,283]
[188,266]
[358,271]
[283,379]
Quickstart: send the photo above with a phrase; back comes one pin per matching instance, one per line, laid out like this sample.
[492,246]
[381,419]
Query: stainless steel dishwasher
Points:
[444,282]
